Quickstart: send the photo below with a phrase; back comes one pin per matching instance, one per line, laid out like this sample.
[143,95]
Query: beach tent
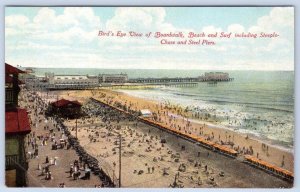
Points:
[146,113]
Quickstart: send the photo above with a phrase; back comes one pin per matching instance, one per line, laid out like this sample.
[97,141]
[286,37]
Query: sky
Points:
[67,37]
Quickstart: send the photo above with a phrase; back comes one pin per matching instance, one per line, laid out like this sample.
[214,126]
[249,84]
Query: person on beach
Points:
[36,152]
[71,170]
[282,162]
[62,185]
[47,176]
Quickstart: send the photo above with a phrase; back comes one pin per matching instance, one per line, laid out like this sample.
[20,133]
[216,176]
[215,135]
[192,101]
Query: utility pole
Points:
[120,145]
[113,177]
[76,127]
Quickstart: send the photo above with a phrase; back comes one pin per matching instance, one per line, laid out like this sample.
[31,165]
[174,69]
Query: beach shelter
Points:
[66,108]
[146,113]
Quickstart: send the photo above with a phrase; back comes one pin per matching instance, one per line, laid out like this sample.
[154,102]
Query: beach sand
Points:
[139,154]
[269,153]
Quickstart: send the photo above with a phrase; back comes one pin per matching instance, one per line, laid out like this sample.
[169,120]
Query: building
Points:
[70,81]
[215,76]
[113,78]
[17,126]
[65,108]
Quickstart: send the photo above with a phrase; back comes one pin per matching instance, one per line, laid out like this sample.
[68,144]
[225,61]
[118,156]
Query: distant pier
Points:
[179,80]
[82,82]
[151,85]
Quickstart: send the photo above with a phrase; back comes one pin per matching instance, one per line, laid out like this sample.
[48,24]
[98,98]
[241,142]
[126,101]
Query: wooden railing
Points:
[11,161]
[9,96]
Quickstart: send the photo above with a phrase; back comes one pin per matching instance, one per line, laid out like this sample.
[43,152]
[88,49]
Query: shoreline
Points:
[257,137]
[143,146]
[282,145]
[263,150]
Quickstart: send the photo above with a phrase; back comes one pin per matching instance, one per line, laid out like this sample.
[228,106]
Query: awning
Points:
[146,112]
[17,122]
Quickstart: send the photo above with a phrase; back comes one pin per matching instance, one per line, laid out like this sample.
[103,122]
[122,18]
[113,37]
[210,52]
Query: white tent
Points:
[146,113]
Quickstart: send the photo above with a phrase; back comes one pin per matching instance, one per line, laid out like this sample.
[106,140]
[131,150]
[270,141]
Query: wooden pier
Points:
[178,80]
[150,85]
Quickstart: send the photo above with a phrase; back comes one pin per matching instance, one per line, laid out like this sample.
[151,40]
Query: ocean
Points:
[255,102]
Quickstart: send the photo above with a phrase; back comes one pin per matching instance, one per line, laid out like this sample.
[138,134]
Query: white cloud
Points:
[278,17]
[45,17]
[75,24]
[211,29]
[16,21]
[14,24]
[10,32]
[255,29]
[236,28]
[72,17]
[143,19]
[135,18]
[281,21]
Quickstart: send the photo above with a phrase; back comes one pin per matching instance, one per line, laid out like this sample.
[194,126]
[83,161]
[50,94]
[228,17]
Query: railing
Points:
[11,161]
[9,96]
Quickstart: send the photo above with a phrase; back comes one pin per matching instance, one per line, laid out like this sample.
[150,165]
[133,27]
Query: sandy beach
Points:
[147,162]
[175,117]
[149,156]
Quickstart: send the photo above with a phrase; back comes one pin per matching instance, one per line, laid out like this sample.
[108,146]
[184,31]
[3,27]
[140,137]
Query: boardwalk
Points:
[60,170]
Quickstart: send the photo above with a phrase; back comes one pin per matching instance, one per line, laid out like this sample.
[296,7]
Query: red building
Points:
[16,127]
[66,108]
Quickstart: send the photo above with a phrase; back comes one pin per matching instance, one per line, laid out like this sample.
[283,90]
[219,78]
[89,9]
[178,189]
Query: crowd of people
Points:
[50,131]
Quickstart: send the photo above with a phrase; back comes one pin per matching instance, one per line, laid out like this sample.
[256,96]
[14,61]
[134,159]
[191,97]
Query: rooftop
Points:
[9,69]
[16,122]
[64,102]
